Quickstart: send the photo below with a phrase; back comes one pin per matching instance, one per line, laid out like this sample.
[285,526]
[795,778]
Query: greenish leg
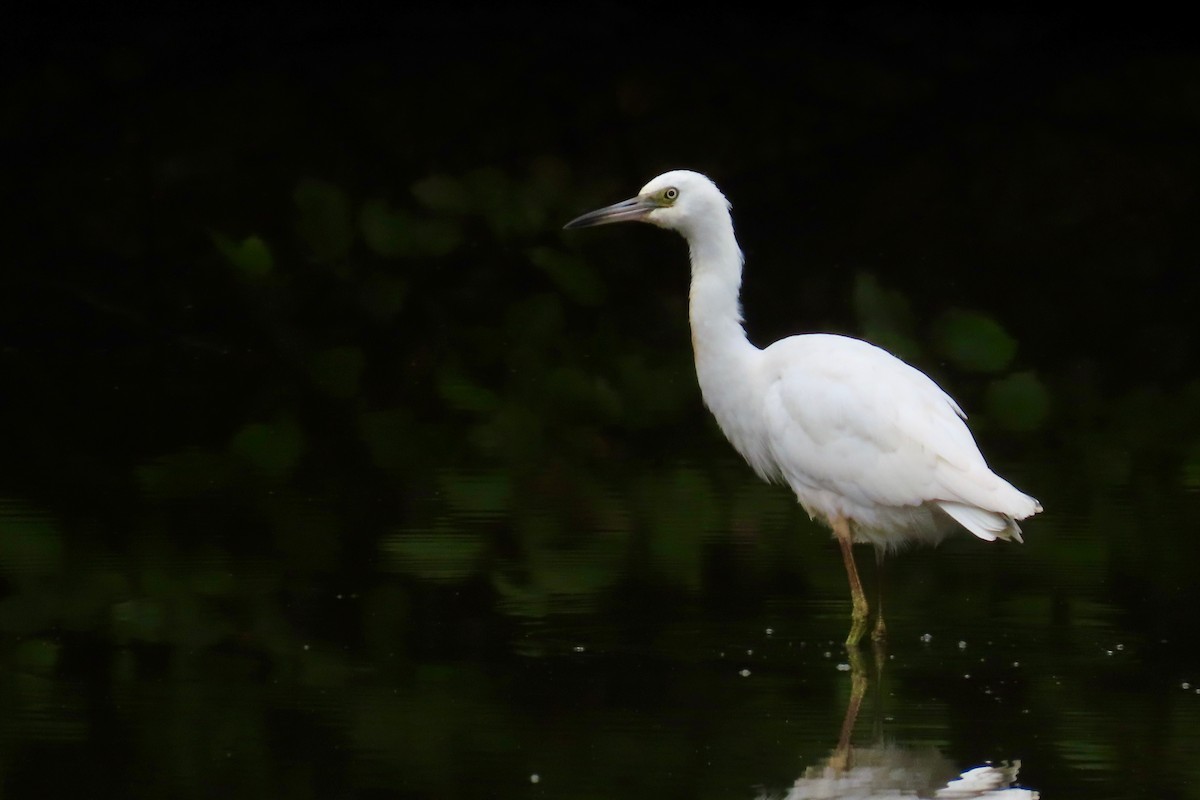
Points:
[859,610]
[880,632]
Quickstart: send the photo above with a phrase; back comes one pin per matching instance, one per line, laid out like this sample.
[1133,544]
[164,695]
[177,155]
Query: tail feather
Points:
[987,525]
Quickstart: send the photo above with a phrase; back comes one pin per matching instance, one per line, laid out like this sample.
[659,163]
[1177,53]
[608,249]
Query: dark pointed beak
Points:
[631,210]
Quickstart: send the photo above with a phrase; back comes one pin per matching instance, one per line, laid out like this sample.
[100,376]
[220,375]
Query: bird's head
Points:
[680,200]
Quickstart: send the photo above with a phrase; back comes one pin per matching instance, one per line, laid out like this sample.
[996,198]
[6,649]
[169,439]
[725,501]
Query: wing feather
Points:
[848,420]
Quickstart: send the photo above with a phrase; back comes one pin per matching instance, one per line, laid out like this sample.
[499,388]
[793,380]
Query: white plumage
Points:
[870,445]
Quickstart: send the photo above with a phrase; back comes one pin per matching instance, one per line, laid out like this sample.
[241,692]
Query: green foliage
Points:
[443,555]
[884,316]
[571,275]
[273,449]
[973,341]
[39,656]
[251,256]
[463,394]
[397,233]
[682,513]
[444,194]
[192,472]
[323,220]
[390,437]
[30,541]
[387,231]
[1191,468]
[1018,402]
[337,371]
[384,296]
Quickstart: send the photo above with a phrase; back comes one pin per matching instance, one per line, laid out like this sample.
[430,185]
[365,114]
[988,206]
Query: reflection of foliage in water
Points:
[513,445]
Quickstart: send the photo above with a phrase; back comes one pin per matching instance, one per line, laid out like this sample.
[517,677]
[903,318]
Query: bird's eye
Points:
[670,193]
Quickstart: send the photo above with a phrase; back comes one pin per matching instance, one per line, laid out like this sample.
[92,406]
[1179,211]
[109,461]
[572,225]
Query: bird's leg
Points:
[880,632]
[840,758]
[879,647]
[860,609]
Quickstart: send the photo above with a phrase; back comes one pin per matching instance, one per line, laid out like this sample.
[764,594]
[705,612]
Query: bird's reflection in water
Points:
[891,770]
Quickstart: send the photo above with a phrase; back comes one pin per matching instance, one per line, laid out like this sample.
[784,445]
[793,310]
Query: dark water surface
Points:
[332,467]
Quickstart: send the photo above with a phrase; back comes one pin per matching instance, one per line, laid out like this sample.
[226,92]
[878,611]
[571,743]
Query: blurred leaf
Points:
[533,323]
[443,194]
[388,232]
[139,619]
[463,394]
[561,572]
[650,394]
[93,595]
[1191,468]
[251,256]
[272,448]
[384,296]
[1018,402]
[510,210]
[490,188]
[304,528]
[477,494]
[189,473]
[438,237]
[338,370]
[439,555]
[884,316]
[30,542]
[38,656]
[680,510]
[395,233]
[549,178]
[323,221]
[213,581]
[386,617]
[973,341]
[388,435]
[570,274]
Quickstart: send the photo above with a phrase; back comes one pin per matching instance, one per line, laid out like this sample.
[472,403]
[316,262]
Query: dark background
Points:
[295,357]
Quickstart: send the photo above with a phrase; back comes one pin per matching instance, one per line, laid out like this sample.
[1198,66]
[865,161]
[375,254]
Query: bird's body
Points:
[857,433]
[870,445]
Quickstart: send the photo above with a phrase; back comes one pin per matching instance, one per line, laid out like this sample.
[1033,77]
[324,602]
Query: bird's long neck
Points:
[715,306]
[725,359]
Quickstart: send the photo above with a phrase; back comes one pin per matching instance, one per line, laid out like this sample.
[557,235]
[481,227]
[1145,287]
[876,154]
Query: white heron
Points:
[870,445]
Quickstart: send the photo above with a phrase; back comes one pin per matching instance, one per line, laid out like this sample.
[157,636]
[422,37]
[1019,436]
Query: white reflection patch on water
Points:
[886,768]
[893,771]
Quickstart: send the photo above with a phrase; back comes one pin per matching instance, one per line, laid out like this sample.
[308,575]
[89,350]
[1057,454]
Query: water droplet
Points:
[745,673]
[535,778]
